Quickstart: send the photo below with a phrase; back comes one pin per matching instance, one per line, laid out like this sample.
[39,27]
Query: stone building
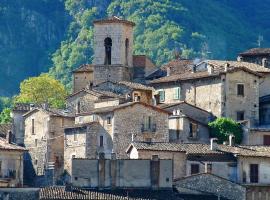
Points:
[113,50]
[109,130]
[131,91]
[17,113]
[241,164]
[84,100]
[226,91]
[11,162]
[83,77]
[187,123]
[143,66]
[260,56]
[44,138]
[178,66]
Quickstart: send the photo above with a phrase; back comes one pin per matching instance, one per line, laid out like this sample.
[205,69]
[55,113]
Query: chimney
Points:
[45,106]
[193,68]
[168,71]
[264,62]
[226,67]
[32,106]
[210,69]
[213,144]
[9,137]
[231,140]
[239,58]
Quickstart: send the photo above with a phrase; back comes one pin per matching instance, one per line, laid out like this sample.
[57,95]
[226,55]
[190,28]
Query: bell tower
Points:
[113,45]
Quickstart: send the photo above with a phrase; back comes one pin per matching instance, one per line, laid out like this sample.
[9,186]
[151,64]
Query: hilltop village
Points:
[133,130]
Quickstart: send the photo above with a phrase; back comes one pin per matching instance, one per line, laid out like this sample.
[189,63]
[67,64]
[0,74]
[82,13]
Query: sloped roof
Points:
[5,146]
[98,93]
[4,128]
[237,64]
[21,107]
[84,68]
[113,19]
[256,51]
[204,149]
[49,193]
[121,106]
[184,77]
[203,117]
[178,66]
[52,112]
[137,86]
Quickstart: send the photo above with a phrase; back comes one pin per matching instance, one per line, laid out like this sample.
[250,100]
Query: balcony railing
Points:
[146,128]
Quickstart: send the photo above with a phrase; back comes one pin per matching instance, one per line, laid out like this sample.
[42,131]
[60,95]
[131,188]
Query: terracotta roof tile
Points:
[84,68]
[256,51]
[237,64]
[178,66]
[204,149]
[5,146]
[184,77]
[137,86]
[49,193]
[21,107]
[114,19]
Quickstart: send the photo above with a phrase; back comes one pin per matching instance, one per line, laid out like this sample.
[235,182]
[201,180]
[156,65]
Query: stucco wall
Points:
[244,167]
[121,173]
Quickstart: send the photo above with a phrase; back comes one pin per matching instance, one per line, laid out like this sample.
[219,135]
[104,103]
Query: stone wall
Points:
[81,80]
[257,192]
[118,33]
[249,103]
[19,193]
[179,129]
[45,145]
[122,173]
[86,102]
[128,122]
[214,185]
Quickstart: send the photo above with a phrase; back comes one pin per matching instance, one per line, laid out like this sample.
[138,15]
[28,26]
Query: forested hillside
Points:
[36,36]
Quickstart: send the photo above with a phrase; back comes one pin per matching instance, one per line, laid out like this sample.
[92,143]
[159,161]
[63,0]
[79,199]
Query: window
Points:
[108,51]
[109,120]
[75,137]
[36,162]
[62,122]
[194,169]
[126,50]
[254,173]
[101,141]
[240,89]
[240,116]
[176,93]
[193,128]
[36,142]
[161,95]
[137,97]
[33,126]
[266,140]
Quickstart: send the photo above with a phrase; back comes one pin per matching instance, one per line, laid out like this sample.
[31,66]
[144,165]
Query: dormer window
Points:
[108,51]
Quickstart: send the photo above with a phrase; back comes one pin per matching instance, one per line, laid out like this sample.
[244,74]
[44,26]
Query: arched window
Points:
[108,51]
[126,50]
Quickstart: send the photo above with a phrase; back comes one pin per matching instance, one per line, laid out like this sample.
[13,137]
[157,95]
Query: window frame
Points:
[161,97]
[177,93]
[240,91]
[254,178]
[238,113]
[197,167]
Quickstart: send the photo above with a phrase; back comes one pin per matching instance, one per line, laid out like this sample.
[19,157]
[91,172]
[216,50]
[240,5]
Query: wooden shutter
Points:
[254,173]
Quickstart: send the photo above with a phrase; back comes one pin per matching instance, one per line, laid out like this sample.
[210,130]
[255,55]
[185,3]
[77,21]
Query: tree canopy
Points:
[42,89]
[5,116]
[222,127]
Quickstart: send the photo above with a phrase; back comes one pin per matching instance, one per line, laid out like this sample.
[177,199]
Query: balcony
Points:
[148,128]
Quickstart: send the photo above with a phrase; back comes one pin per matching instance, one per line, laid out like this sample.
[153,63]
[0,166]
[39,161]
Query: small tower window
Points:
[126,50]
[78,107]
[108,51]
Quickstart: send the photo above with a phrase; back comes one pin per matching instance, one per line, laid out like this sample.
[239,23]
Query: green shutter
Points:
[176,93]
[161,95]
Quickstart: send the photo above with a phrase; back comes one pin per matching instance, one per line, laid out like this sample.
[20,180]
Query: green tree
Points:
[5,116]
[222,127]
[5,102]
[42,89]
